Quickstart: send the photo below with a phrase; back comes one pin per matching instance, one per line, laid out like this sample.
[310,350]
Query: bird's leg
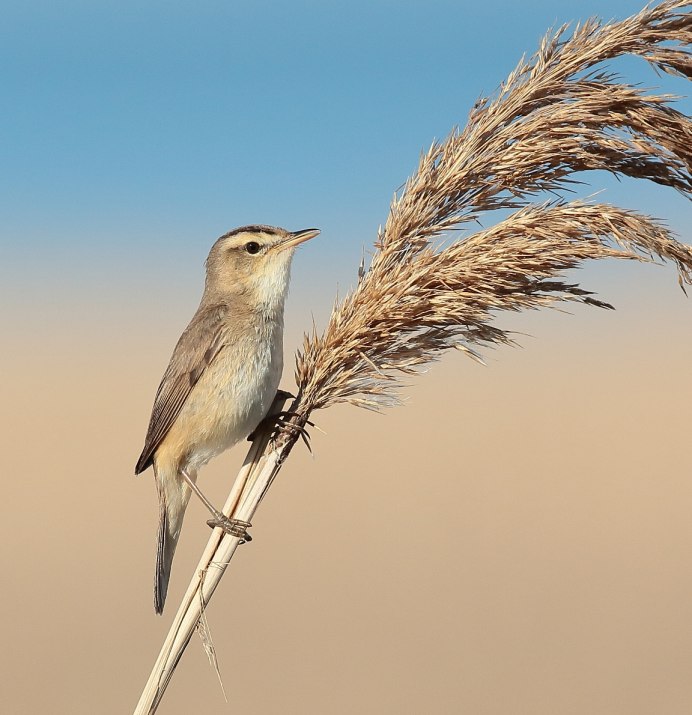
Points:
[267,421]
[281,419]
[234,527]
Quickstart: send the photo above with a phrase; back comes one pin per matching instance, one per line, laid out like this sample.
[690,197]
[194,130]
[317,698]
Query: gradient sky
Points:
[134,134]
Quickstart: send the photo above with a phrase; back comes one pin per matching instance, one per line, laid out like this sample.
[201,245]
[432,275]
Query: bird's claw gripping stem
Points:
[234,527]
[282,420]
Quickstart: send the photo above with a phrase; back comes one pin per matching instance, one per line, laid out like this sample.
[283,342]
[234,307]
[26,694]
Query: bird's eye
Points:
[252,247]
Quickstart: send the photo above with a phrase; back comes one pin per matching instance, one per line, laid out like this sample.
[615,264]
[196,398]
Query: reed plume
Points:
[560,112]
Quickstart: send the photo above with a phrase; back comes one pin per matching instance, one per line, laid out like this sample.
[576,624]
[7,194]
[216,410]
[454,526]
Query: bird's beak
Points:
[298,237]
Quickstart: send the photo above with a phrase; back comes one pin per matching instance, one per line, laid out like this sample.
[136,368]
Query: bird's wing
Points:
[199,344]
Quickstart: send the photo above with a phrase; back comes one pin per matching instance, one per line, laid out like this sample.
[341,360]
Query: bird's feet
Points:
[271,420]
[282,419]
[234,527]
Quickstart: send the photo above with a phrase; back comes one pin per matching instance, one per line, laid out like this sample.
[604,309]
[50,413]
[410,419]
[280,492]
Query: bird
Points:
[222,377]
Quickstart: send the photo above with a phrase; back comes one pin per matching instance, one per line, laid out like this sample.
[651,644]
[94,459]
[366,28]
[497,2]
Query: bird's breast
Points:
[230,399]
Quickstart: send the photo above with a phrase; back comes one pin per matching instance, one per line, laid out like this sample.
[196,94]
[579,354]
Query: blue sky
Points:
[136,133]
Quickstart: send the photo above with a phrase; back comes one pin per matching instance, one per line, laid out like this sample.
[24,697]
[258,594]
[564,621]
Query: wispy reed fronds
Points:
[559,113]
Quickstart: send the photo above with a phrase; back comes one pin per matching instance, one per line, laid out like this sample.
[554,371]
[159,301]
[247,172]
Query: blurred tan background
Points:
[517,539]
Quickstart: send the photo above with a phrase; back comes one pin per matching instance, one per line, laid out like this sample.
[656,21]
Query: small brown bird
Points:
[222,377]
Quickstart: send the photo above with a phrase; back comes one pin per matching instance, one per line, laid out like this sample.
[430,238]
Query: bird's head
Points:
[254,262]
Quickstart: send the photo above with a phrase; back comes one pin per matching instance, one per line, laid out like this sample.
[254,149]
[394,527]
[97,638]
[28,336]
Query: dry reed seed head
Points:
[510,146]
[556,114]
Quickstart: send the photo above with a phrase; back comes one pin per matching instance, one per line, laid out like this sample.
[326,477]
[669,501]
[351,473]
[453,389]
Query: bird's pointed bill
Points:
[298,237]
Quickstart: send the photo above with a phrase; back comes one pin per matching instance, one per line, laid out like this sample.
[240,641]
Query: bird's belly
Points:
[229,401]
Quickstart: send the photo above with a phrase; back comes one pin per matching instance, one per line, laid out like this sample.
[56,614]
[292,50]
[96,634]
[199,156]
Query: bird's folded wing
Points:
[197,348]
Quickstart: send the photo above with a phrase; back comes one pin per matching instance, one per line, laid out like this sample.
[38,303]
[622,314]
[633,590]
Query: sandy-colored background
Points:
[517,539]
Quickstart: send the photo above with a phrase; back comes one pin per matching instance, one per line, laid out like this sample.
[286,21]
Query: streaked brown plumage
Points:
[223,374]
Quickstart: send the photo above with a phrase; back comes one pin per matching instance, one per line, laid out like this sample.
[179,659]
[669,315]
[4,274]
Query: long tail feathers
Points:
[173,498]
[165,550]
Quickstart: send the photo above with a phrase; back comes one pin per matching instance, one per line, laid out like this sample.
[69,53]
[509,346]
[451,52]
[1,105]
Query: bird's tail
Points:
[174,494]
